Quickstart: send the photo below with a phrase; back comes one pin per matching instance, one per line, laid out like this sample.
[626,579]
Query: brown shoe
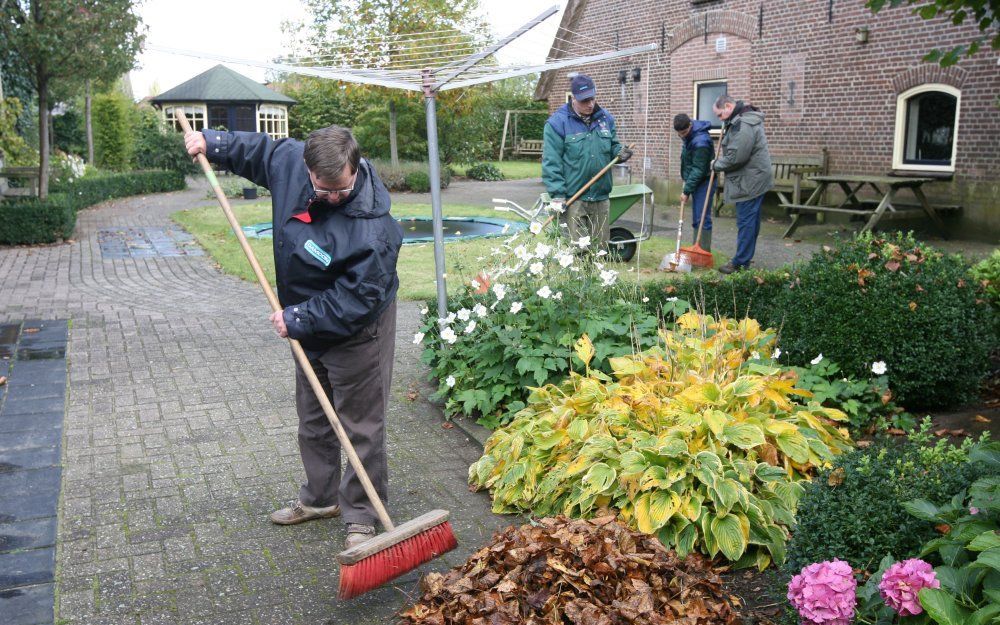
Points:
[357,534]
[298,512]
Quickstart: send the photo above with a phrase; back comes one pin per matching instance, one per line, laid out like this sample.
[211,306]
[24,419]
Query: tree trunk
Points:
[90,129]
[393,150]
[43,136]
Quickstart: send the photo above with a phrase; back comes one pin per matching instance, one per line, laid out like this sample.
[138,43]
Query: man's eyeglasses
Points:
[322,193]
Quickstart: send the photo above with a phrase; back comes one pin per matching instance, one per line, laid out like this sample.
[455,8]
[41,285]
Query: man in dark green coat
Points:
[747,164]
[696,168]
[579,140]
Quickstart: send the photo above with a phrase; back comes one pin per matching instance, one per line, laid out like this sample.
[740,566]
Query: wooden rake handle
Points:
[300,354]
[589,184]
[711,186]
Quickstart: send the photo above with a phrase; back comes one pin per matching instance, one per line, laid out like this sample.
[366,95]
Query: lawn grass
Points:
[416,262]
[512,170]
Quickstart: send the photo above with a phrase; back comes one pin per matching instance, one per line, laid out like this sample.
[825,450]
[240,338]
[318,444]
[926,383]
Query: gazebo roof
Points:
[221,84]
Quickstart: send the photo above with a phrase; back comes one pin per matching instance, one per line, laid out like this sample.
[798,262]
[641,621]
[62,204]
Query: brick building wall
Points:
[844,97]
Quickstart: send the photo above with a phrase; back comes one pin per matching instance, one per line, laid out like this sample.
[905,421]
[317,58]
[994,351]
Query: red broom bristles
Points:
[390,563]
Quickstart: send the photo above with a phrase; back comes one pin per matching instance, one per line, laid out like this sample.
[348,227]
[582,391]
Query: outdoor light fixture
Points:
[637,74]
[861,34]
[622,76]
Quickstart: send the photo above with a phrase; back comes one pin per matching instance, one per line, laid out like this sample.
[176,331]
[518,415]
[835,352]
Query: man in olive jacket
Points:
[579,140]
[747,165]
[696,167]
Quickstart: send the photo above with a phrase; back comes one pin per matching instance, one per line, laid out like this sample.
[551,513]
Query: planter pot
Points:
[249,193]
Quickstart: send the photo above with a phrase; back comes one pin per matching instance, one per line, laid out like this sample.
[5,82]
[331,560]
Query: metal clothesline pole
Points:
[430,108]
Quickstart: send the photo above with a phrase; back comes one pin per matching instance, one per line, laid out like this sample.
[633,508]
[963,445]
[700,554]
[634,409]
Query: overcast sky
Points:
[251,29]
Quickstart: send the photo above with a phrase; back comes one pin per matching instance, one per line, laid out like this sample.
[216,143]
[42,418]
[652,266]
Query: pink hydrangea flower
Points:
[824,593]
[973,510]
[901,583]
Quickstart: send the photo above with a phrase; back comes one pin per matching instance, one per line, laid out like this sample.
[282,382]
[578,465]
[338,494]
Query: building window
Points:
[705,95]
[195,114]
[273,120]
[926,127]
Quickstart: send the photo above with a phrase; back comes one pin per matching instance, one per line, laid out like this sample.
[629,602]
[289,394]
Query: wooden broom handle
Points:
[300,354]
[711,183]
[589,184]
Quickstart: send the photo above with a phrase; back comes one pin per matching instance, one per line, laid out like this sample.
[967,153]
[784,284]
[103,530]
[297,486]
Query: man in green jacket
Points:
[579,140]
[696,167]
[747,164]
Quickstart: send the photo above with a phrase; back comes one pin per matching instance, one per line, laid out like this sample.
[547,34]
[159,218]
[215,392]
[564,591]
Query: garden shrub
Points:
[112,131]
[108,185]
[395,177]
[695,441]
[157,147]
[418,182]
[233,186]
[854,510]
[987,273]
[524,319]
[29,221]
[485,172]
[894,300]
[743,294]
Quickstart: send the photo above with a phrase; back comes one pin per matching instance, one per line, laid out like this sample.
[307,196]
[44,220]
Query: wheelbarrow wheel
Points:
[621,245]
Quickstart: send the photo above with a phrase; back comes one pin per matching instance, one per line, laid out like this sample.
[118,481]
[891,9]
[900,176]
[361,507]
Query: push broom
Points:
[694,254]
[401,548]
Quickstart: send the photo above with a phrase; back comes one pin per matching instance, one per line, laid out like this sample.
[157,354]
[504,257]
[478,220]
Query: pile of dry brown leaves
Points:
[584,572]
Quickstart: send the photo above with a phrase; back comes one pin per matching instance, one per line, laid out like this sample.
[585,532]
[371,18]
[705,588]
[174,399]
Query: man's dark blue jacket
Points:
[335,265]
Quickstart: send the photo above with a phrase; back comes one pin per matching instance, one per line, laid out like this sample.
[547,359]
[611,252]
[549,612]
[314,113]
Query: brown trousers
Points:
[357,376]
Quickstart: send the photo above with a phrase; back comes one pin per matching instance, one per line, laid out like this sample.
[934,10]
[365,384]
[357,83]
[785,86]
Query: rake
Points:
[401,548]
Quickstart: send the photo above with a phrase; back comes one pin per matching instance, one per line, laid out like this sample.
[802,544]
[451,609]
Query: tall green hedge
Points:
[29,221]
[112,131]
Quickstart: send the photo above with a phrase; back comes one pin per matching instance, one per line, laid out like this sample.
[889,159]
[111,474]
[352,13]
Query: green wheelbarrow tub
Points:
[622,198]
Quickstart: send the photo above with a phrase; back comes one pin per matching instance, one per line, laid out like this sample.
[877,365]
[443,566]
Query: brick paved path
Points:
[180,439]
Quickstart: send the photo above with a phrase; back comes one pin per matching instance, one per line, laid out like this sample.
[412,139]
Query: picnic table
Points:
[887,188]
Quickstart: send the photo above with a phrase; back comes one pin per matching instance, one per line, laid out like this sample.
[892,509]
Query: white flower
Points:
[499,290]
[535,227]
[565,260]
[449,335]
[446,320]
[516,307]
[522,252]
[464,313]
[645,300]
[754,356]
[583,242]
[558,295]
[424,310]
[475,284]
[608,277]
[506,229]
[601,252]
[469,329]
[817,359]
[599,265]
[480,258]
[671,299]
[560,225]
[544,292]
[418,338]
[542,250]
[536,268]
[879,368]
[480,310]
[777,353]
[557,207]
[458,233]
[450,381]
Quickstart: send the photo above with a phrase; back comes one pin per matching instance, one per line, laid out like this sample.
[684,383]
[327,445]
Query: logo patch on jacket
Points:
[318,253]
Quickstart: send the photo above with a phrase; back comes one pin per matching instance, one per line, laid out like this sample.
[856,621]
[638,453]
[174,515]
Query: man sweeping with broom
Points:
[335,251]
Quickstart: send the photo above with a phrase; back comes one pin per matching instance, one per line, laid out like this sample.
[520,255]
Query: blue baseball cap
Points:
[582,87]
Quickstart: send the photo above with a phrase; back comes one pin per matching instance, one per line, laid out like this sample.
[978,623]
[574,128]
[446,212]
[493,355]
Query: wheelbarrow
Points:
[622,243]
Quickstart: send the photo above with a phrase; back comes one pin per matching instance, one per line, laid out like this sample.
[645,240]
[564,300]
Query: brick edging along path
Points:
[180,438]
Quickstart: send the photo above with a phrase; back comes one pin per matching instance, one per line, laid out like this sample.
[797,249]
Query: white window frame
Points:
[197,114]
[273,117]
[715,132]
[899,138]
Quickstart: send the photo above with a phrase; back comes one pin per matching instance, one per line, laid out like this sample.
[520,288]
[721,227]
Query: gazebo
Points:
[223,98]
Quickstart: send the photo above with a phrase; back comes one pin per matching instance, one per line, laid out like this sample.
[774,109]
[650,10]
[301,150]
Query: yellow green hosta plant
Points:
[699,441]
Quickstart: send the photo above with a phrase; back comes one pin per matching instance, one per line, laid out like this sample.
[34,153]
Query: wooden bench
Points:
[528,147]
[791,176]
[26,173]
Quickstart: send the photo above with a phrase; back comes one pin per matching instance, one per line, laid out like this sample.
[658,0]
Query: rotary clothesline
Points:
[439,74]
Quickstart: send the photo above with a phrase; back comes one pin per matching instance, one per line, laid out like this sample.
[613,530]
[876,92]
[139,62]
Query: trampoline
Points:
[421,229]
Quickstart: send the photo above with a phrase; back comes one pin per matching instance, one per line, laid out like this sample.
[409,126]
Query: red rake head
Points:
[395,560]
[697,256]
